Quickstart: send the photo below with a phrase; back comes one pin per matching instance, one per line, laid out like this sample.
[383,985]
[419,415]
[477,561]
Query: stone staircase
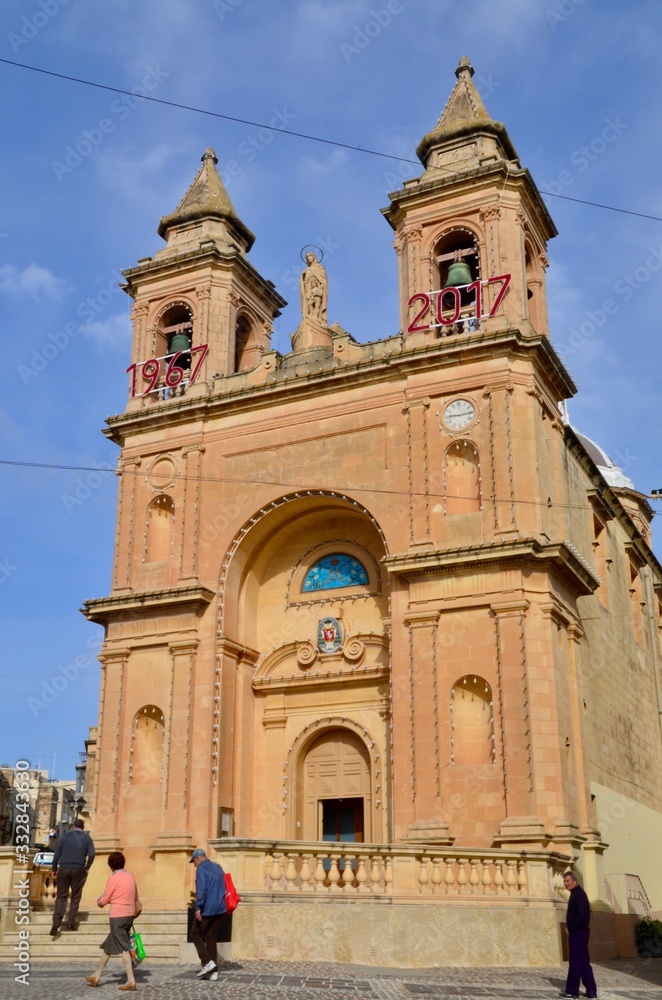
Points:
[163,933]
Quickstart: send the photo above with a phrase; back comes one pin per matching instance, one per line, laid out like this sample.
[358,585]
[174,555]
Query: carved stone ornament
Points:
[329,635]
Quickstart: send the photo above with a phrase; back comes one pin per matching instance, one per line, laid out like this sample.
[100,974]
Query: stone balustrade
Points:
[404,871]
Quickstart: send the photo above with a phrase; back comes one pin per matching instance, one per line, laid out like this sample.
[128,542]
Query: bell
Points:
[180,342]
[459,273]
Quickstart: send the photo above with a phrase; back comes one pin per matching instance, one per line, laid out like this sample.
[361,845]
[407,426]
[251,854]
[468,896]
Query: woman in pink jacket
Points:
[122,894]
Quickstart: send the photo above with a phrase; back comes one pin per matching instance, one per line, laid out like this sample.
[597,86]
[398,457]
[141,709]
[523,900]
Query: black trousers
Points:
[579,965]
[68,879]
[203,935]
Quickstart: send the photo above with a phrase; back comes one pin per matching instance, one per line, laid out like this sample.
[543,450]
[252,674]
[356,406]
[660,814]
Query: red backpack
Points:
[232,897]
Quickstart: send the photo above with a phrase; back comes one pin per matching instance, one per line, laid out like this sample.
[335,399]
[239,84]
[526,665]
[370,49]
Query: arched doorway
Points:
[335,800]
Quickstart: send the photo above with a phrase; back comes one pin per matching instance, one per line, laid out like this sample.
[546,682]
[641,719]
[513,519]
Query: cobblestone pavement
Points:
[639,979]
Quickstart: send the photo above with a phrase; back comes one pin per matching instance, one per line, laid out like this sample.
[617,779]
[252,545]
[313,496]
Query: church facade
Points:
[383,628]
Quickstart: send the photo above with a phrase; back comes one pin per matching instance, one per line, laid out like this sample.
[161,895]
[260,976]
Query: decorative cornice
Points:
[525,551]
[103,609]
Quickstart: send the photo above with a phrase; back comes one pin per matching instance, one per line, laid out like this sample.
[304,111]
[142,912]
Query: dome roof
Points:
[610,471]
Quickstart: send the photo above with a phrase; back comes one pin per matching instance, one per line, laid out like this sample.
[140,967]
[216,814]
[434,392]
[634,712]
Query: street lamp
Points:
[76,803]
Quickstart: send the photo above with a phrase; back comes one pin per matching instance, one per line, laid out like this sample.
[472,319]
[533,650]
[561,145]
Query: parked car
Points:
[43,859]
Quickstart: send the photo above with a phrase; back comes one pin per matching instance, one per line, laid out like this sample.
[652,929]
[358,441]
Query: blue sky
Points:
[86,175]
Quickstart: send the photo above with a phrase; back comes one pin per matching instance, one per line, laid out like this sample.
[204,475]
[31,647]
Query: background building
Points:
[383,627]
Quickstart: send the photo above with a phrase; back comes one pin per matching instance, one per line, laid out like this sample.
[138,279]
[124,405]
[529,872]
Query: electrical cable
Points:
[298,135]
[298,487]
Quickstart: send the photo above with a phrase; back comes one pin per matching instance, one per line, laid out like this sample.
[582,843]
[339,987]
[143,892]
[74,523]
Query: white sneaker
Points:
[209,967]
[214,977]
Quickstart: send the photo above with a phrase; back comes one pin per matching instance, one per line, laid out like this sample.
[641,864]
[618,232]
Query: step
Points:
[163,934]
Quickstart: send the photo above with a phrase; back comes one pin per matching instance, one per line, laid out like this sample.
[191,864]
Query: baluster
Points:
[348,871]
[375,872]
[511,877]
[334,873]
[361,876]
[487,880]
[306,878]
[276,872]
[521,877]
[462,874]
[474,877]
[423,876]
[290,873]
[388,874]
[498,876]
[319,877]
[436,874]
[449,877]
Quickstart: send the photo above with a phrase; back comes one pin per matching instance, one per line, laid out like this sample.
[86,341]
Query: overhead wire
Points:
[286,131]
[299,487]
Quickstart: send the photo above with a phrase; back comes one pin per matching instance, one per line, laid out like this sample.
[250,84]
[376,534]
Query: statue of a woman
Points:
[314,288]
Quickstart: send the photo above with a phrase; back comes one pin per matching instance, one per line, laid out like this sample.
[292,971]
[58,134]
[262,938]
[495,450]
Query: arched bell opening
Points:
[534,288]
[175,335]
[455,265]
[248,349]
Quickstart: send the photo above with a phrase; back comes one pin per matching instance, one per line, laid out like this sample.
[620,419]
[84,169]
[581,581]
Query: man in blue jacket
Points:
[72,861]
[577,922]
[209,908]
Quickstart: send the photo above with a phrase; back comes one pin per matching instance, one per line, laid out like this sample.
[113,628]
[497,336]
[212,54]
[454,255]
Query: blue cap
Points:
[198,853]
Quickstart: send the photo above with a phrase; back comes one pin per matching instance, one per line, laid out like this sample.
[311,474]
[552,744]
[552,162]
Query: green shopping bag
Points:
[137,947]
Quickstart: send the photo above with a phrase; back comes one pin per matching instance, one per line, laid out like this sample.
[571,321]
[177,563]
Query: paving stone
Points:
[632,980]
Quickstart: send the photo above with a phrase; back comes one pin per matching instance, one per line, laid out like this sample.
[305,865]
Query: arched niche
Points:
[462,478]
[146,749]
[472,721]
[159,528]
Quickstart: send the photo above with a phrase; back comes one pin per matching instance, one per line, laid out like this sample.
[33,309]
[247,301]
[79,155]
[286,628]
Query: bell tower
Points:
[200,307]
[474,215]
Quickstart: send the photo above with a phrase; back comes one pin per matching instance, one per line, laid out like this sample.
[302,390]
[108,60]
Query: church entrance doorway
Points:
[342,820]
[335,804]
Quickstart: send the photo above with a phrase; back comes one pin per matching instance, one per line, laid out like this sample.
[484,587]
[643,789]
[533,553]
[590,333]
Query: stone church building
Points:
[383,629]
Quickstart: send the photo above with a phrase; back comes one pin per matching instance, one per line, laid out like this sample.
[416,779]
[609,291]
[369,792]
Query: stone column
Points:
[501,453]
[423,696]
[419,483]
[126,523]
[190,530]
[106,819]
[521,825]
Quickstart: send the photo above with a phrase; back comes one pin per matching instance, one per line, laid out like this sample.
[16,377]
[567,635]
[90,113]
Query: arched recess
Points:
[462,478]
[256,621]
[146,749]
[472,722]
[159,529]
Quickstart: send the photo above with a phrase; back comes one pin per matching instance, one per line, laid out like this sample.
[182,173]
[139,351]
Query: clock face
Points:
[459,414]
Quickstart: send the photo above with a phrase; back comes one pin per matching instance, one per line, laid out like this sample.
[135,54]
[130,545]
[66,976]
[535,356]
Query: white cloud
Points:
[109,333]
[36,282]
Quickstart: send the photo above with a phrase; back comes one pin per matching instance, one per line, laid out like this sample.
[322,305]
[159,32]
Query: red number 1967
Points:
[174,375]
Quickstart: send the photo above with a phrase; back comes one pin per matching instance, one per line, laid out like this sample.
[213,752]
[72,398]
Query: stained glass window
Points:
[336,570]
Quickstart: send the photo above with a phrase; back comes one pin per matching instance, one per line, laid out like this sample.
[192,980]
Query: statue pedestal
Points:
[311,333]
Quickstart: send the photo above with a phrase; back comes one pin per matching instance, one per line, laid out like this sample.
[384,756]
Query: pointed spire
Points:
[463,115]
[207,199]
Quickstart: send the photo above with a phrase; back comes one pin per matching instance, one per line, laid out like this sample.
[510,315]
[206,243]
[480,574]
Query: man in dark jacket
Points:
[577,922]
[72,861]
[209,908]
